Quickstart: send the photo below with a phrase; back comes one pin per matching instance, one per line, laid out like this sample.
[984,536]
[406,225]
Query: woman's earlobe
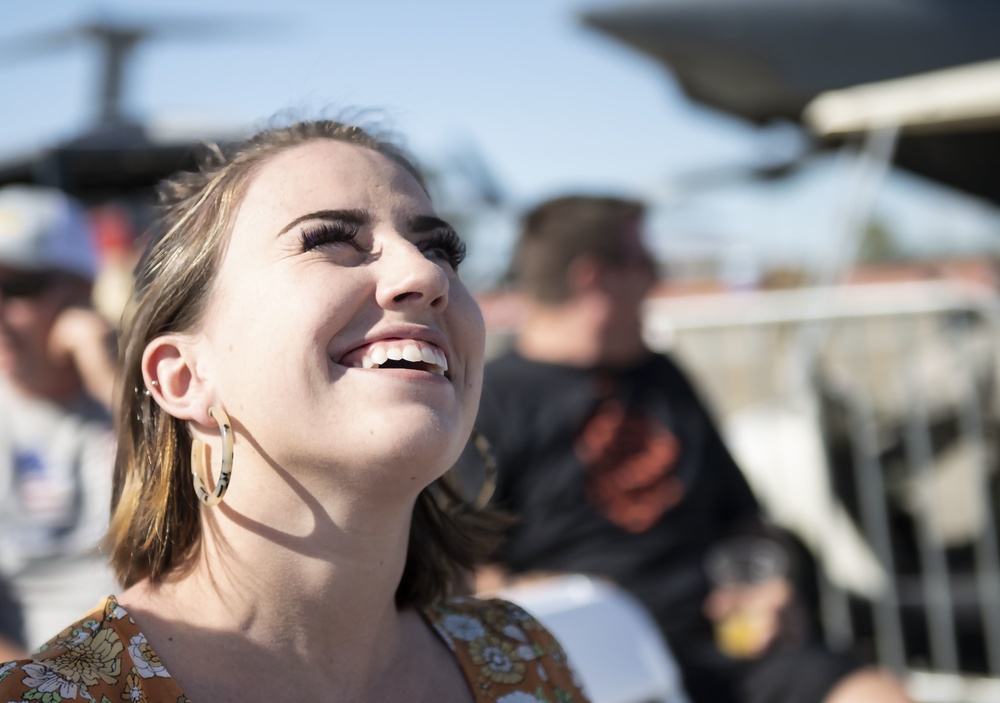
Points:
[169,372]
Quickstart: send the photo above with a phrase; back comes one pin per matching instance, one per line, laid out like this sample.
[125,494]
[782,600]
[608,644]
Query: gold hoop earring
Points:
[490,469]
[198,460]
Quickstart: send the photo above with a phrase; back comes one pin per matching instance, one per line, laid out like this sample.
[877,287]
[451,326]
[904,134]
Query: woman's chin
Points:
[427,453]
[405,432]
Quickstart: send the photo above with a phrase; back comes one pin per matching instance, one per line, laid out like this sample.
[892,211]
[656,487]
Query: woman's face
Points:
[338,333]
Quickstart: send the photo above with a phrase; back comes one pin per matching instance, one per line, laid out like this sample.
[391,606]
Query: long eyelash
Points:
[450,245]
[329,232]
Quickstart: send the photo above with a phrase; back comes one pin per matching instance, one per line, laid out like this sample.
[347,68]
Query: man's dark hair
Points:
[557,231]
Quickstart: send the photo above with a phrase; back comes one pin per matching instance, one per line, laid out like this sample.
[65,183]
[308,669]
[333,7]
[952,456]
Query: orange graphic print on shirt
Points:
[629,459]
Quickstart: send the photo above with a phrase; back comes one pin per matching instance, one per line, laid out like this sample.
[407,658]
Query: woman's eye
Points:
[329,233]
[446,245]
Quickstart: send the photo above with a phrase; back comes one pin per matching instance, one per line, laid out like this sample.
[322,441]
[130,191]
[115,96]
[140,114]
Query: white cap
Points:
[43,229]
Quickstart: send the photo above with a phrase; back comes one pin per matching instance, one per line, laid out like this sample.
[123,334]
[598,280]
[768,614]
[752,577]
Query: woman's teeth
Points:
[431,358]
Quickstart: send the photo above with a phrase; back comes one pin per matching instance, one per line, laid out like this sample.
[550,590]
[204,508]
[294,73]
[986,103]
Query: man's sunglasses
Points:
[26,285]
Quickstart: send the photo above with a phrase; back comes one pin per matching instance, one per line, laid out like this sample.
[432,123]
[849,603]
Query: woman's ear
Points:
[172,379]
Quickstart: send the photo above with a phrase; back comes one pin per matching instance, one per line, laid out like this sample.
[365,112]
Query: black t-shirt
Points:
[618,472]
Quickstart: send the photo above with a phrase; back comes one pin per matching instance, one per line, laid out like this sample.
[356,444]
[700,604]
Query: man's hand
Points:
[83,339]
[750,618]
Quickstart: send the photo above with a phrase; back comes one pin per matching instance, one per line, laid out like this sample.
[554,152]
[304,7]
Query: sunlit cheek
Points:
[470,308]
[475,327]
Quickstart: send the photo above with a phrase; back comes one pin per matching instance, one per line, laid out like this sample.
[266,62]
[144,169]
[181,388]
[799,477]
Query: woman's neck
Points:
[297,585]
[580,333]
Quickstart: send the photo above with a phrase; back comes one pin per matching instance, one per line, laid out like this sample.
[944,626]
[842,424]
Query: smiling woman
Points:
[299,321]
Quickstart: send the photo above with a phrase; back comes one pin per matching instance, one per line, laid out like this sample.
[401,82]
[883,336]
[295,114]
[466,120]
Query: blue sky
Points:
[549,105]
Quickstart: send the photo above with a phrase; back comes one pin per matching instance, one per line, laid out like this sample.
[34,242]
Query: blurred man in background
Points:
[56,446]
[614,467]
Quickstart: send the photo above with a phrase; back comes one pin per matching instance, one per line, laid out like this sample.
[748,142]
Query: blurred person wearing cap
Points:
[56,445]
[614,467]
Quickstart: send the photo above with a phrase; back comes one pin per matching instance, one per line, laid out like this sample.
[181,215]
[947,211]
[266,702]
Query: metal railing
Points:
[888,394]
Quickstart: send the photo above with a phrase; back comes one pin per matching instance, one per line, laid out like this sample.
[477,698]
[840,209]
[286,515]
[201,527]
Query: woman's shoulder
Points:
[103,657]
[468,618]
[506,654]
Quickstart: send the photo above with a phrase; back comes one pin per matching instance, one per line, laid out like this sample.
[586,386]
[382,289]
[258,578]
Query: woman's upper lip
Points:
[426,338]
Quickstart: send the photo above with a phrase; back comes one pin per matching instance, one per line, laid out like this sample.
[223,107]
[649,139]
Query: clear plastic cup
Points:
[742,563]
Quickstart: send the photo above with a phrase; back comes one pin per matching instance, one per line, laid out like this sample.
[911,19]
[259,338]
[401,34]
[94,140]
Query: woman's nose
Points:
[409,277]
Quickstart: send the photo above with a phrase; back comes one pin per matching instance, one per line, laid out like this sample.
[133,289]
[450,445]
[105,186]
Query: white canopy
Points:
[963,97]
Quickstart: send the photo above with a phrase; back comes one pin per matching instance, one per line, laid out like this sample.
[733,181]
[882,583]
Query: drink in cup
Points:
[750,571]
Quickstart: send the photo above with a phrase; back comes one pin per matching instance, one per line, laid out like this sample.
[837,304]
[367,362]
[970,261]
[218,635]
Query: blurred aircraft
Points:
[117,156]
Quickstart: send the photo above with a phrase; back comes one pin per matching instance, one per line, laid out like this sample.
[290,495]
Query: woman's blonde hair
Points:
[155,524]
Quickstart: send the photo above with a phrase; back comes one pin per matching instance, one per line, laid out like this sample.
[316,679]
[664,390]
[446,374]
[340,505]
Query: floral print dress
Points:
[505,655]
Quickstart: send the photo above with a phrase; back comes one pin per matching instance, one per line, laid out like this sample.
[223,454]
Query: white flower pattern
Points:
[515,632]
[107,658]
[518,697]
[498,639]
[526,652]
[146,662]
[48,680]
[463,627]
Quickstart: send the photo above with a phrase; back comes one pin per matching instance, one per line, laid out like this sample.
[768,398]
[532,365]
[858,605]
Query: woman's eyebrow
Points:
[418,224]
[357,217]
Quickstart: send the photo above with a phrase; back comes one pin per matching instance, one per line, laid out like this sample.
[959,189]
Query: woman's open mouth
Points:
[398,354]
